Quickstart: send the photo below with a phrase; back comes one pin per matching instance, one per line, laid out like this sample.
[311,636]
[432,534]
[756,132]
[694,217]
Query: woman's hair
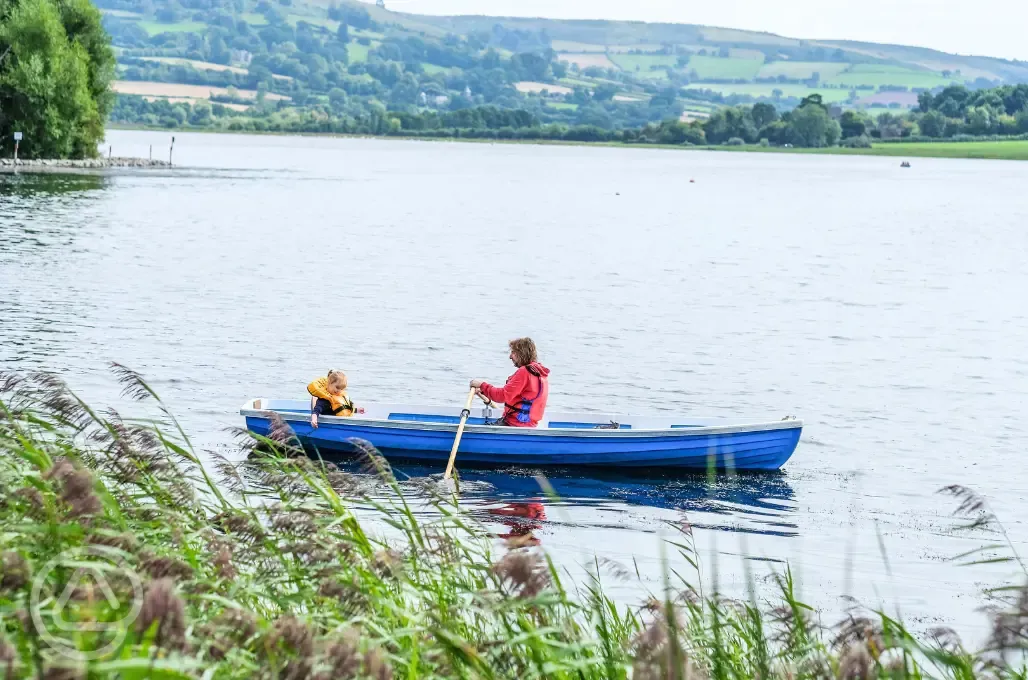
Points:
[524,351]
[337,378]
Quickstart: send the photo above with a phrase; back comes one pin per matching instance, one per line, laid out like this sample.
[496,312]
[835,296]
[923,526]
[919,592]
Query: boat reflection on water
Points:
[525,501]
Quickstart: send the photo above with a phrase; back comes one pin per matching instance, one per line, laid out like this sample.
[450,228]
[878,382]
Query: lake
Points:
[883,306]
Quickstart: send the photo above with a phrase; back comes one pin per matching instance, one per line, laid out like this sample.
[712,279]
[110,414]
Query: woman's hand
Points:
[314,420]
[358,409]
[476,383]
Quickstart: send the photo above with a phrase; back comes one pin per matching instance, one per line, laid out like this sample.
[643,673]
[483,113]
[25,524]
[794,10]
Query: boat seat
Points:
[582,426]
[425,418]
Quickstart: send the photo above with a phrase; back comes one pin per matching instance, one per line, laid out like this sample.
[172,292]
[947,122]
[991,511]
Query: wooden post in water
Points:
[110,152]
[171,150]
[151,152]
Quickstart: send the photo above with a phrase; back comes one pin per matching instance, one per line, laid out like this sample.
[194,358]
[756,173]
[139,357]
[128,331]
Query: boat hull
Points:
[757,447]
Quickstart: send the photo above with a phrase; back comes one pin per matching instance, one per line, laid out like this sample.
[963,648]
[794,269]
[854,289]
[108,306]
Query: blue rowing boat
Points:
[426,433]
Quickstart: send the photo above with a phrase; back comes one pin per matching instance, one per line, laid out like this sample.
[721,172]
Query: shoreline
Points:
[61,165]
[1008,150]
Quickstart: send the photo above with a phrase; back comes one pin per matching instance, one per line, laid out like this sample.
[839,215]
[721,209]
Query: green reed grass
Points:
[261,569]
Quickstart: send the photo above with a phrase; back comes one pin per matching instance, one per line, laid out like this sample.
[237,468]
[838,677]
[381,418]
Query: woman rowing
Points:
[525,392]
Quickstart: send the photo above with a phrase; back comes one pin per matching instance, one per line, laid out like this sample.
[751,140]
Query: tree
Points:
[933,124]
[853,124]
[729,122]
[764,114]
[925,100]
[979,120]
[813,127]
[343,33]
[54,78]
[813,100]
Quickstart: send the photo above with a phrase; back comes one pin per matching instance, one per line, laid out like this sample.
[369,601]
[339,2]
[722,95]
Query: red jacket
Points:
[524,394]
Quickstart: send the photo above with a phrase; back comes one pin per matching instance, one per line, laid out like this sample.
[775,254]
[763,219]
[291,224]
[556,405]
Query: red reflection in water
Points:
[522,519]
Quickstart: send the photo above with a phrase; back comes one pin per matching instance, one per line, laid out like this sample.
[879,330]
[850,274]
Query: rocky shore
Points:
[64,165]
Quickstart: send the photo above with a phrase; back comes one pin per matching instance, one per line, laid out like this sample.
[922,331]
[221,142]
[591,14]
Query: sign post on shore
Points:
[17,139]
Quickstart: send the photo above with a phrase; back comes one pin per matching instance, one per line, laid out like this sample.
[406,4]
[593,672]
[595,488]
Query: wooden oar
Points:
[460,432]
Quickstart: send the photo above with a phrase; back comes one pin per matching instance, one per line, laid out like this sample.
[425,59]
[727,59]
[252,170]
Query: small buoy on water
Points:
[692,181]
[617,193]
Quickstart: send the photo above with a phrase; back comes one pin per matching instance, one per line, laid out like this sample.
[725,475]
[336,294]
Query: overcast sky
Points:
[994,28]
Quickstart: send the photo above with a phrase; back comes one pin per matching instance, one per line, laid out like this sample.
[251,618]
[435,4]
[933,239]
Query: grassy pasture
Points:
[155,89]
[156,27]
[572,46]
[643,62]
[532,87]
[358,52]
[716,68]
[875,75]
[801,70]
[434,69]
[121,13]
[587,59]
[767,90]
[254,19]
[1014,150]
[199,65]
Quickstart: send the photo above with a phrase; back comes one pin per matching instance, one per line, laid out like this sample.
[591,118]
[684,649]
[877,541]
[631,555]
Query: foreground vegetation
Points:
[121,556]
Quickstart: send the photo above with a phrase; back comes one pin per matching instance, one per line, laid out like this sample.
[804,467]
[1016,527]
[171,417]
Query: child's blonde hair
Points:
[336,379]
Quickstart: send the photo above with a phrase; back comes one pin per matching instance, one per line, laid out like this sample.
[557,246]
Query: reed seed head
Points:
[14,572]
[376,666]
[343,657]
[76,488]
[165,567]
[161,605]
[388,563]
[524,573]
[63,672]
[856,663]
[289,632]
[223,564]
[8,659]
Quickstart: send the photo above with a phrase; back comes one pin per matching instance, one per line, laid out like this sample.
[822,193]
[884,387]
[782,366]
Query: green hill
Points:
[350,59]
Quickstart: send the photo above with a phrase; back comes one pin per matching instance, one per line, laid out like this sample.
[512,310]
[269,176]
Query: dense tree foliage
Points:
[957,110]
[56,65]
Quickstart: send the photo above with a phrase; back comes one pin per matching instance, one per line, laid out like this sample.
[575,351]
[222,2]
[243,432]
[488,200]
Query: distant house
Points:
[240,57]
[436,100]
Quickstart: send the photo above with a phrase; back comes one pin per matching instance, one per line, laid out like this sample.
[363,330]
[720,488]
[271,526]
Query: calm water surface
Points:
[883,306]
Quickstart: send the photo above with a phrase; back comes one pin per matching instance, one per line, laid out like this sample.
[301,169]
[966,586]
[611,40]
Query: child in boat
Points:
[328,397]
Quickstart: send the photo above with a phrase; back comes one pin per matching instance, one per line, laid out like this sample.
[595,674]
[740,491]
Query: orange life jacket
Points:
[341,404]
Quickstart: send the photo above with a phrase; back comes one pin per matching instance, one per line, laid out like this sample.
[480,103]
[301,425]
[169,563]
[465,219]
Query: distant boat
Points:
[426,433]
[905,164]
